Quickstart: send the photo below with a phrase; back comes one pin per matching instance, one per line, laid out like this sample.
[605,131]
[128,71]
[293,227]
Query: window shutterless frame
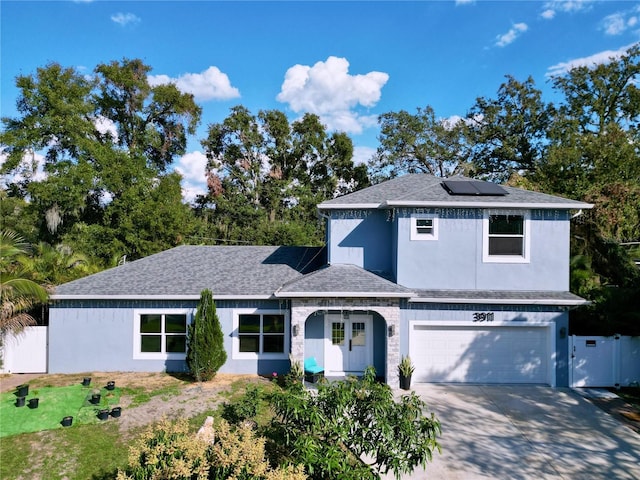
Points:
[160,334]
[506,237]
[260,334]
[424,226]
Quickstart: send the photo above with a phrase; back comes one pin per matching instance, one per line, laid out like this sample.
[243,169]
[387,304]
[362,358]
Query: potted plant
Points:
[95,396]
[103,414]
[405,369]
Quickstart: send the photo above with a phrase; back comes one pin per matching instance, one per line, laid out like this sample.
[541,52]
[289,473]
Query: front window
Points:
[506,238]
[160,334]
[261,333]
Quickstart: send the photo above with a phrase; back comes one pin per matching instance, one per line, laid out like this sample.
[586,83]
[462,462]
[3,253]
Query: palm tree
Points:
[18,293]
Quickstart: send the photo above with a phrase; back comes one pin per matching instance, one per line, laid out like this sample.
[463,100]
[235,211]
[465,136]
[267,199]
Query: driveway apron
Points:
[525,432]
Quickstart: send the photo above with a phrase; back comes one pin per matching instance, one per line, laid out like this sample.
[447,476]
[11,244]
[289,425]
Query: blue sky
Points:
[345,61]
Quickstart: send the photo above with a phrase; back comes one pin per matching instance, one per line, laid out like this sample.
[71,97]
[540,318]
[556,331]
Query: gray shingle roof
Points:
[424,190]
[528,297]
[342,281]
[230,271]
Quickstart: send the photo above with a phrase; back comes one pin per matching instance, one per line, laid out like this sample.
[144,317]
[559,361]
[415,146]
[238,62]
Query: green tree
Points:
[419,143]
[108,142]
[508,134]
[18,293]
[205,341]
[266,175]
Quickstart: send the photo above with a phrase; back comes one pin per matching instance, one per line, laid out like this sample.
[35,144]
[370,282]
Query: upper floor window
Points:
[260,333]
[424,227]
[160,334]
[506,238]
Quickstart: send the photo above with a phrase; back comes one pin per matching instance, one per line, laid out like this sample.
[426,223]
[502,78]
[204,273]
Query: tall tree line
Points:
[110,139]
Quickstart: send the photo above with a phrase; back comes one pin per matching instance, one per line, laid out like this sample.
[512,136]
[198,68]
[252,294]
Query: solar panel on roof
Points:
[472,187]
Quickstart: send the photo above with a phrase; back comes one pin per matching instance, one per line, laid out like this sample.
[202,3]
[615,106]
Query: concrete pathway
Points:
[526,432]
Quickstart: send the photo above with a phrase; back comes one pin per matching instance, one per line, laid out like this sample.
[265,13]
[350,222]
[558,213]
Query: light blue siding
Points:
[454,261]
[361,238]
[314,338]
[98,336]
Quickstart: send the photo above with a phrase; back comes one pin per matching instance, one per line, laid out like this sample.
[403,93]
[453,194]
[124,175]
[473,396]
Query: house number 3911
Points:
[483,317]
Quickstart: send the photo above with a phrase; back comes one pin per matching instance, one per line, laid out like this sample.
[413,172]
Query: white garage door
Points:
[480,354]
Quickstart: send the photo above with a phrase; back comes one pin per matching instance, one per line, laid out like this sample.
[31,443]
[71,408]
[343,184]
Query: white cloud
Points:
[590,61]
[548,14]
[105,125]
[619,22]
[31,168]
[211,84]
[362,155]
[516,30]
[192,168]
[328,90]
[123,19]
[565,6]
[464,2]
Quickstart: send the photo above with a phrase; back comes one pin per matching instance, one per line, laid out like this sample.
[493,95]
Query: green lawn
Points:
[54,404]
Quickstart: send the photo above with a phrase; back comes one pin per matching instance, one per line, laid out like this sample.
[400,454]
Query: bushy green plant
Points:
[168,450]
[205,341]
[171,450]
[332,430]
[244,408]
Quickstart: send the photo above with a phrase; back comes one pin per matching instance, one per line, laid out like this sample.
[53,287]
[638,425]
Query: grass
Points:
[90,449]
[55,403]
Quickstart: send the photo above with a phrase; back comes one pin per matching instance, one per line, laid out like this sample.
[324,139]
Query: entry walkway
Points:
[526,432]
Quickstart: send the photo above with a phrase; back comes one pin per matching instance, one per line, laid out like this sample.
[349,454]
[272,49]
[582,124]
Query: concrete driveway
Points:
[526,432]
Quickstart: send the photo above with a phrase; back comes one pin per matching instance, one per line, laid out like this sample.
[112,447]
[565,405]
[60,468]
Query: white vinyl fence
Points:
[25,352]
[604,361]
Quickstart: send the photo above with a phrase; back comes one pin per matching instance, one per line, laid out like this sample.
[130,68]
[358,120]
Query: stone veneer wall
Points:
[389,309]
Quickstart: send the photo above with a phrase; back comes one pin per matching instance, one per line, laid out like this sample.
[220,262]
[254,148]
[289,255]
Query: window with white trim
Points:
[260,333]
[160,334]
[424,227]
[506,237]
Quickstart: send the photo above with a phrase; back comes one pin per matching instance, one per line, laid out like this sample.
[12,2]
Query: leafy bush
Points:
[205,342]
[170,450]
[244,408]
[331,431]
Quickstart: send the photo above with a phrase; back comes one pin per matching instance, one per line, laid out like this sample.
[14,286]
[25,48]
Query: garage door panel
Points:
[479,354]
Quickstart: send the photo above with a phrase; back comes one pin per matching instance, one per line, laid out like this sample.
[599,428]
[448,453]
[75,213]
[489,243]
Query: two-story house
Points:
[468,278]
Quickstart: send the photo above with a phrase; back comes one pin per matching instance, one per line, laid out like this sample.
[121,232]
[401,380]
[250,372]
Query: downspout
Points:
[327,235]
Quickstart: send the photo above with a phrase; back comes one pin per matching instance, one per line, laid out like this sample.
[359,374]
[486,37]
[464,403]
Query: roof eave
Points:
[479,204]
[156,297]
[502,301]
[342,295]
[348,206]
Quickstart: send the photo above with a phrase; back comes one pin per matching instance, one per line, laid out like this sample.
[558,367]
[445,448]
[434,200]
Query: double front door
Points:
[348,343]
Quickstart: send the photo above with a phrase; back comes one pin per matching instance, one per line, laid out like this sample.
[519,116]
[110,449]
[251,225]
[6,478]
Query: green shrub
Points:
[205,342]
[332,430]
[168,450]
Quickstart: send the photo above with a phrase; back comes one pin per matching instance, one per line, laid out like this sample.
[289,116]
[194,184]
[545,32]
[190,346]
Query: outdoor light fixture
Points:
[563,332]
[295,330]
[391,330]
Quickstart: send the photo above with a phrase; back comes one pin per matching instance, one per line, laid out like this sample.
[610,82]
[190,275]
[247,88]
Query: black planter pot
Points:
[116,411]
[95,398]
[111,385]
[86,381]
[20,402]
[405,382]
[23,391]
[103,414]
[66,421]
[33,402]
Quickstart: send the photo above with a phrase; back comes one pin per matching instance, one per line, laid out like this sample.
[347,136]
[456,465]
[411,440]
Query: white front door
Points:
[348,344]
